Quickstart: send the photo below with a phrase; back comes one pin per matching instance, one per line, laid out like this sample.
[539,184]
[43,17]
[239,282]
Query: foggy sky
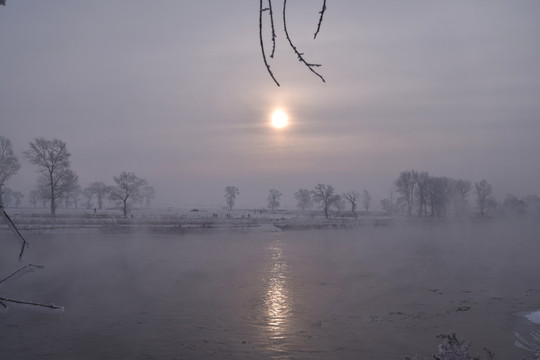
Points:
[177,92]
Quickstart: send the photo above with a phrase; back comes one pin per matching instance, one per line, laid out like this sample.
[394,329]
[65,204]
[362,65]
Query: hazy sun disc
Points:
[279,119]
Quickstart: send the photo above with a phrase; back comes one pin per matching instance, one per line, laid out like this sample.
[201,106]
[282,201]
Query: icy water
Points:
[368,293]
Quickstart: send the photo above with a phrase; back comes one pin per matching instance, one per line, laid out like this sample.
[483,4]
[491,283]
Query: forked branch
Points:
[299,54]
[29,267]
[14,230]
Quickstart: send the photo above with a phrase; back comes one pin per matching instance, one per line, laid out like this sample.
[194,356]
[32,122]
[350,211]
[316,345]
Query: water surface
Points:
[368,293]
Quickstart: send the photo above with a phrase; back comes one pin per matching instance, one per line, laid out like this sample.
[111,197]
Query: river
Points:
[366,293]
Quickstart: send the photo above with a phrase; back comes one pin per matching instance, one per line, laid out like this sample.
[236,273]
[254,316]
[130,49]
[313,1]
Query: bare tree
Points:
[17,198]
[484,192]
[352,197]
[33,198]
[389,205]
[52,159]
[231,192]
[514,206]
[7,196]
[366,200]
[461,190]
[438,191]
[87,195]
[100,190]
[273,199]
[338,203]
[9,164]
[421,191]
[303,199]
[72,190]
[323,194]
[127,189]
[148,194]
[405,185]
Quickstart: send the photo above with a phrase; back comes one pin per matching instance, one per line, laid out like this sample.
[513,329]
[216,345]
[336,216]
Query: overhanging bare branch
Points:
[261,10]
[320,19]
[299,54]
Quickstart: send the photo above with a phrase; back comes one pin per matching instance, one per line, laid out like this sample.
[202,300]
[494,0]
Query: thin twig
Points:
[262,42]
[299,54]
[15,231]
[320,19]
[50,306]
[21,269]
[272,27]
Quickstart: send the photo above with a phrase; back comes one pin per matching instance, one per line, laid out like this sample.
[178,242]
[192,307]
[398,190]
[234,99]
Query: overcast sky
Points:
[177,92]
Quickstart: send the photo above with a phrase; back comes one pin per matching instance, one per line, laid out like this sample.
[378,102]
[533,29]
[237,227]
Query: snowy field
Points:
[183,220]
[360,293]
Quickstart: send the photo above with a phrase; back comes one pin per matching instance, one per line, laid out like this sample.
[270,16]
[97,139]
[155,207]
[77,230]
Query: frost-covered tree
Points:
[438,192]
[231,192]
[9,164]
[52,159]
[352,197]
[405,186]
[338,203]
[484,192]
[421,191]
[303,199]
[148,193]
[98,189]
[461,190]
[324,195]
[17,198]
[33,198]
[273,199]
[128,189]
[366,200]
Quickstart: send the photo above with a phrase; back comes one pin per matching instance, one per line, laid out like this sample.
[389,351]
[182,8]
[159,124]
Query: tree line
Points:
[58,183]
[322,195]
[424,195]
[418,193]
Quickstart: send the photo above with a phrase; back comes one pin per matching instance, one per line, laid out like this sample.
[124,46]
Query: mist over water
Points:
[367,293]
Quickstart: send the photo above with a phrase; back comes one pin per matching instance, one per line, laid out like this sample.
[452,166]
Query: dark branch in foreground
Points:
[14,230]
[320,19]
[29,267]
[261,10]
[272,27]
[20,302]
[299,54]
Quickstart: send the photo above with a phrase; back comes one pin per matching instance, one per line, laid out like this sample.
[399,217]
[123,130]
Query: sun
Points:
[279,119]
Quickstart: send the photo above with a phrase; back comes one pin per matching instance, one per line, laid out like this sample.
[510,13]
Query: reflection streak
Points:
[276,300]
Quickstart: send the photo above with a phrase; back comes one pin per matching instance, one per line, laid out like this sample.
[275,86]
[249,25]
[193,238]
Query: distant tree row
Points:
[322,195]
[58,182]
[424,195]
[325,197]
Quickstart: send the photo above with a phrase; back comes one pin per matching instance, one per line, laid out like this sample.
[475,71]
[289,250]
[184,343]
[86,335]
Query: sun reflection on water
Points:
[276,299]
